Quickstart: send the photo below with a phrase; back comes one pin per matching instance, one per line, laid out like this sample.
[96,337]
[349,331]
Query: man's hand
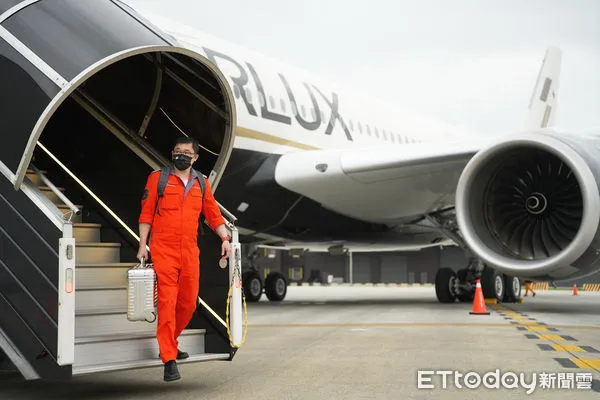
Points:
[142,253]
[226,249]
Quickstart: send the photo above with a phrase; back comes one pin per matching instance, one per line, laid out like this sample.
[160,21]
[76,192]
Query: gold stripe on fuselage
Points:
[265,137]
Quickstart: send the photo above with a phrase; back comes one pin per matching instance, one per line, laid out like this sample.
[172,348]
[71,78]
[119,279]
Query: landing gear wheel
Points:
[461,275]
[275,286]
[513,289]
[492,284]
[253,286]
[444,285]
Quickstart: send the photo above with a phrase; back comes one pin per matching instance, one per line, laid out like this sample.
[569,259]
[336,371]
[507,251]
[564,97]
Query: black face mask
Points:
[182,162]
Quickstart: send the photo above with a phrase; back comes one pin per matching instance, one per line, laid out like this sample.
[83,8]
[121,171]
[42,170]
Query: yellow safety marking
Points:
[520,318]
[551,337]
[540,285]
[490,301]
[536,328]
[527,323]
[568,347]
[591,287]
[586,363]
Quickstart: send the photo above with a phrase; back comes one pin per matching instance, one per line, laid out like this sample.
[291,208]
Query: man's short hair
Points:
[188,140]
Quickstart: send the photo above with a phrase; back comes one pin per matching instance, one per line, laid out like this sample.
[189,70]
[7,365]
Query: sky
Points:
[472,63]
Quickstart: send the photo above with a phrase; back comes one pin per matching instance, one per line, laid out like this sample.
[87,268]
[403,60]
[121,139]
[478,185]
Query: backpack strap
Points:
[162,184]
[202,182]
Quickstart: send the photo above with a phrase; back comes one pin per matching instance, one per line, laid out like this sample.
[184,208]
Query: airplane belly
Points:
[382,194]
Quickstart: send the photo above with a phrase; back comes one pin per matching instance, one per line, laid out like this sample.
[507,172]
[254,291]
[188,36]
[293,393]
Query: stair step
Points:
[51,195]
[34,178]
[129,336]
[114,349]
[155,362]
[89,276]
[87,232]
[107,322]
[97,252]
[94,301]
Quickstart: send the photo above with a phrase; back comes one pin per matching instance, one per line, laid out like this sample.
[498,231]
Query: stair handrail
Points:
[234,267]
[74,210]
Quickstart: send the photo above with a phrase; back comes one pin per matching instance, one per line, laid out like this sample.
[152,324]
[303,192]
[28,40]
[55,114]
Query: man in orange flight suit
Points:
[172,230]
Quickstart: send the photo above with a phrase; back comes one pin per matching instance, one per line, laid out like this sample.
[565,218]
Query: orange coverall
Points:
[174,251]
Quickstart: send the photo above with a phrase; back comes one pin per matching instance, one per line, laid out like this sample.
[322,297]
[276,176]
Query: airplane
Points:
[296,162]
[316,166]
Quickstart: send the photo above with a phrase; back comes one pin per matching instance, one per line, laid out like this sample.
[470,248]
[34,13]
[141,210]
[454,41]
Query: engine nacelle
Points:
[529,205]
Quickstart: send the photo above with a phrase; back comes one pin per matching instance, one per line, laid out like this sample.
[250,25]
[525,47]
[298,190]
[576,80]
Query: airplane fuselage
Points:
[281,109]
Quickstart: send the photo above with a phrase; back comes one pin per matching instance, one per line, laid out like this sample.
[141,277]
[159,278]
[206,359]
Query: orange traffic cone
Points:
[575,293]
[479,301]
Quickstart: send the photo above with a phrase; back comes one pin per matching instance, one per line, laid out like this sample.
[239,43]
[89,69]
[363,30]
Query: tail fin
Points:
[542,106]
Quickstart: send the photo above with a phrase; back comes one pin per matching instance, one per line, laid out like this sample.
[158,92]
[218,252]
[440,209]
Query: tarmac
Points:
[347,342]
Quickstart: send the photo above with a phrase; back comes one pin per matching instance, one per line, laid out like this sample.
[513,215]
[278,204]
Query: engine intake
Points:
[529,206]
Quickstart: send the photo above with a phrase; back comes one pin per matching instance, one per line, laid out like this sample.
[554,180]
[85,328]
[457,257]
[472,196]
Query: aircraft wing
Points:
[387,184]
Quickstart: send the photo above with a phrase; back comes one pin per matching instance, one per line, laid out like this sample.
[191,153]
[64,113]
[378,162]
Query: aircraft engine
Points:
[529,206]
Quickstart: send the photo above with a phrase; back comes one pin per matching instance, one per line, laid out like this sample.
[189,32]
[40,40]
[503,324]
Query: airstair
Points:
[81,132]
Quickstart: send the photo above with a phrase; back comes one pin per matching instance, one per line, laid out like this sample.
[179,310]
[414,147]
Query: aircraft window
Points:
[376,131]
[261,99]
[302,111]
[313,114]
[400,139]
[351,126]
[323,116]
[236,91]
[272,101]
[384,135]
[359,127]
[249,95]
[393,137]
[368,130]
[282,103]
[294,109]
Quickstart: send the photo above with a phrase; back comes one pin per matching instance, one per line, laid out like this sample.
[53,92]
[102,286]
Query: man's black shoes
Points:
[171,371]
[181,355]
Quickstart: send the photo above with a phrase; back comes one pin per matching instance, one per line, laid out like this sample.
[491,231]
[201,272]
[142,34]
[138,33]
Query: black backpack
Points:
[162,184]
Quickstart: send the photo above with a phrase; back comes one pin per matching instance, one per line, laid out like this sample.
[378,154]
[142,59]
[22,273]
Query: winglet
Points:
[542,106]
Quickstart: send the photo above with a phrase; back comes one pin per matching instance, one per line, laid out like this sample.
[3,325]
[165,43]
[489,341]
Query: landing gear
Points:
[274,286]
[451,286]
[445,282]
[253,286]
[492,284]
[512,294]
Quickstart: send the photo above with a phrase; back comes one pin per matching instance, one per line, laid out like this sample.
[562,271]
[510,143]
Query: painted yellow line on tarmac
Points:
[573,348]
[587,363]
[552,337]
[537,329]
